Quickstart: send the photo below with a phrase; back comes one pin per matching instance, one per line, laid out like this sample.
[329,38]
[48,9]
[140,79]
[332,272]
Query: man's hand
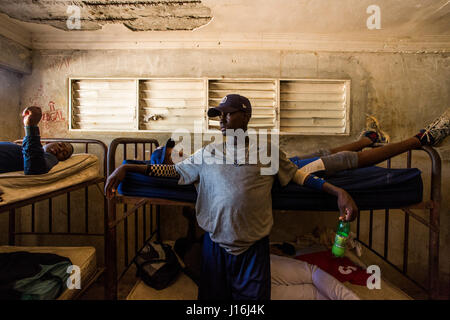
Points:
[31,116]
[114,180]
[118,175]
[1,192]
[347,207]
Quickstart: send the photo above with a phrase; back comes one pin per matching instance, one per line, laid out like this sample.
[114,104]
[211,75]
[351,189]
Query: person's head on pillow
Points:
[61,150]
[163,154]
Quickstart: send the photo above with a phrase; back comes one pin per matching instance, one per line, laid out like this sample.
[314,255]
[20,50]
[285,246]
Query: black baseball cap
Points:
[231,103]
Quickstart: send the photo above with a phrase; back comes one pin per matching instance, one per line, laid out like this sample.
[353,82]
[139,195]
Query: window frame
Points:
[70,112]
[204,119]
[276,99]
[202,79]
[347,83]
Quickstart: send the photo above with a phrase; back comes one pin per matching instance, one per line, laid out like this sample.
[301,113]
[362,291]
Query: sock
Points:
[340,161]
[424,140]
[372,135]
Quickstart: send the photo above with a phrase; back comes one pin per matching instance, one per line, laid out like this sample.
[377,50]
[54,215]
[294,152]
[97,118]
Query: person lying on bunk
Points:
[234,203]
[328,161]
[32,157]
[351,156]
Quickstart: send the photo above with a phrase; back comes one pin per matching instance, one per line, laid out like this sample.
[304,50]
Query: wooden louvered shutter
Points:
[168,104]
[261,93]
[314,106]
[107,105]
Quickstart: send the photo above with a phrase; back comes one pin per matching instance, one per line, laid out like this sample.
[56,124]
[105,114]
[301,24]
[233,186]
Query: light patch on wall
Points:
[137,15]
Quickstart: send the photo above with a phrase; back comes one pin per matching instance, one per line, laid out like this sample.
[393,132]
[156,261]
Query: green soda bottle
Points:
[340,242]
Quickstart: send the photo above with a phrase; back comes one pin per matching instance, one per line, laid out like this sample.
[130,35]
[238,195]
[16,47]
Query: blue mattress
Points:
[371,188]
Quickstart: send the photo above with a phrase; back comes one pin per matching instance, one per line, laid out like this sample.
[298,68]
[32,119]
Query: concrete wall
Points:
[10,128]
[15,59]
[14,56]
[404,91]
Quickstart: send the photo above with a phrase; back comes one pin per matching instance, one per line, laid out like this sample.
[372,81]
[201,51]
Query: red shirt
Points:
[343,269]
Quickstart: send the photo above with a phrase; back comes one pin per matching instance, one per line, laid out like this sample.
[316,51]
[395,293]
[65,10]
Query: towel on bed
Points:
[78,168]
[32,276]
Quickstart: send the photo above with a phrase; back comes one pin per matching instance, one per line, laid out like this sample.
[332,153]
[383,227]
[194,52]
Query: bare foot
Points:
[31,116]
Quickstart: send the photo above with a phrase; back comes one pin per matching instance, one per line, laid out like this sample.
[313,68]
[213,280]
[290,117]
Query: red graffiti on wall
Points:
[60,62]
[54,115]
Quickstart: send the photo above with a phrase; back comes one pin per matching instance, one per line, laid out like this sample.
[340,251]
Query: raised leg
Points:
[344,158]
[373,156]
[362,143]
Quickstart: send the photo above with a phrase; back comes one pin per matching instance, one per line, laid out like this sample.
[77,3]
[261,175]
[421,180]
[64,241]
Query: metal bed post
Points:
[12,227]
[386,224]
[158,222]
[125,222]
[433,258]
[110,253]
[68,211]
[50,215]
[107,247]
[136,213]
[32,217]
[111,236]
[406,244]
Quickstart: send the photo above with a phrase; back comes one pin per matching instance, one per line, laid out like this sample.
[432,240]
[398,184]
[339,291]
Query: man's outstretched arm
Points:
[155,170]
[347,207]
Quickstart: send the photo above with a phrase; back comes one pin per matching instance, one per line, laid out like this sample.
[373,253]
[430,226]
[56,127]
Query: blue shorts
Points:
[229,277]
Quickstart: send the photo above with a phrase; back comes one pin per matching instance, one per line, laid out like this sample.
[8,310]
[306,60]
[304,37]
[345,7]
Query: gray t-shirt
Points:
[234,202]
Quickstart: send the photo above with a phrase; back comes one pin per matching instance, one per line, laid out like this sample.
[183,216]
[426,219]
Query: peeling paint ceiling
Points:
[288,24]
[137,15]
[398,17]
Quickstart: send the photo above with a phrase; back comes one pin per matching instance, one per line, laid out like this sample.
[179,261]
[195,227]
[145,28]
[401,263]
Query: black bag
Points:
[157,265]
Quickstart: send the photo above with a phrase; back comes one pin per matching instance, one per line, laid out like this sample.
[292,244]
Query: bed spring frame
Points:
[433,225]
[11,207]
[433,205]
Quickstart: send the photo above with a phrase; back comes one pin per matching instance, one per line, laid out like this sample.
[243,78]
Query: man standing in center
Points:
[234,206]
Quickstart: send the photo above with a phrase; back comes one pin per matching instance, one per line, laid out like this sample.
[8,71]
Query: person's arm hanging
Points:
[154,170]
[347,206]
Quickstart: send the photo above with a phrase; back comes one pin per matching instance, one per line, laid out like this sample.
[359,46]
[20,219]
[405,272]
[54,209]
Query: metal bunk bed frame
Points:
[433,205]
